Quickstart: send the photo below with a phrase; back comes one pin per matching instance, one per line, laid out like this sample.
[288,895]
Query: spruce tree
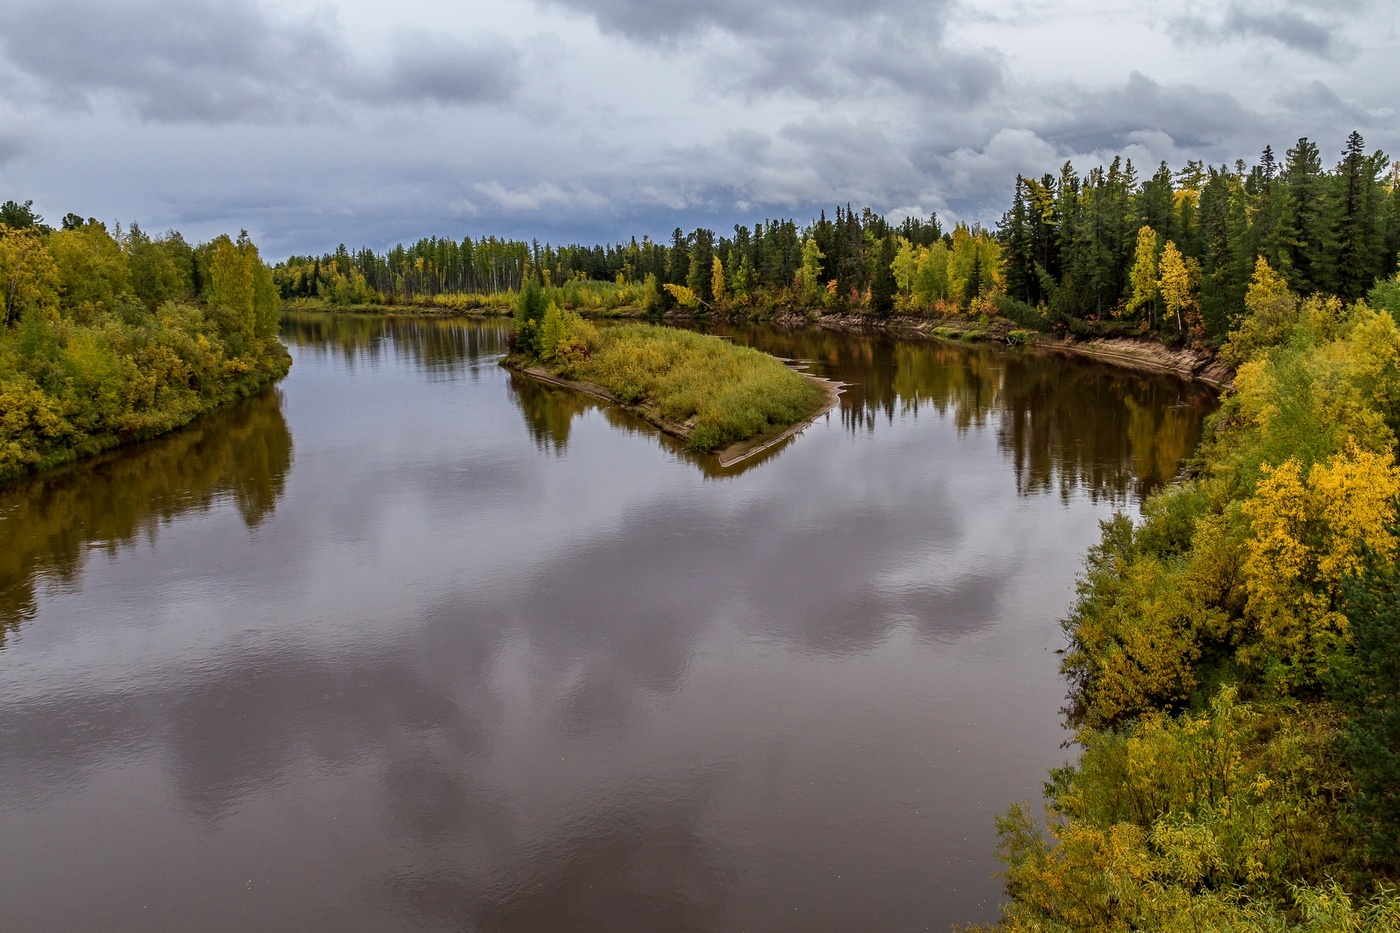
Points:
[1359,232]
[1365,682]
[882,284]
[1305,230]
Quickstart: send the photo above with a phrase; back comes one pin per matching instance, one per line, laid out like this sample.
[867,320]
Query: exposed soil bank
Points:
[728,456]
[1141,353]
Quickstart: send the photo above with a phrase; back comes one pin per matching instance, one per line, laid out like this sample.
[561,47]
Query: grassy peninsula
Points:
[707,390]
[1234,660]
[110,337]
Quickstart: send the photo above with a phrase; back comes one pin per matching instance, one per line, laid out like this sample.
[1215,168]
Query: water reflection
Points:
[431,344]
[1066,423]
[242,453]
[630,861]
[497,662]
[550,411]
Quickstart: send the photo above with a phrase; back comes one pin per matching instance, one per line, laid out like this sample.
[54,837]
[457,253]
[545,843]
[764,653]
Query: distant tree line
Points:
[850,262]
[1171,253]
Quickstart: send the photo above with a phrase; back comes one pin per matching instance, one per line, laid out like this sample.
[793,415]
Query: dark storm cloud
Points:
[1087,121]
[854,60]
[211,62]
[823,50]
[427,68]
[1289,28]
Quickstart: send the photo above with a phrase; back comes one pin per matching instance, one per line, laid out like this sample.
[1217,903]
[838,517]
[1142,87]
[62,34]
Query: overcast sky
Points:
[366,122]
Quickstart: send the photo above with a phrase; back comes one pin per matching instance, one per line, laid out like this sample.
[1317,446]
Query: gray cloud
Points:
[210,61]
[11,146]
[857,60]
[1294,30]
[1084,121]
[312,122]
[672,20]
[428,68]
[823,49]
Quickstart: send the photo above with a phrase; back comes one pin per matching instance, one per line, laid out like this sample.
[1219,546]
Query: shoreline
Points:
[1143,354]
[732,455]
[89,448]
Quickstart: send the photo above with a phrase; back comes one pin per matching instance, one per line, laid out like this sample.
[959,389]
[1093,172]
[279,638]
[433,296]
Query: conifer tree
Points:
[1305,229]
[1359,232]
[882,285]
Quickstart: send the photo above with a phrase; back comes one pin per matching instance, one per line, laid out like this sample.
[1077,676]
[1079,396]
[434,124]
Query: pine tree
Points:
[700,264]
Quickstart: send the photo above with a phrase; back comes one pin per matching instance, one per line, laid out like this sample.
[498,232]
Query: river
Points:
[411,642]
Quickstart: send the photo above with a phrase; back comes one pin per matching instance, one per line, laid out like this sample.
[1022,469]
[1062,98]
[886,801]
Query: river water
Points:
[410,642]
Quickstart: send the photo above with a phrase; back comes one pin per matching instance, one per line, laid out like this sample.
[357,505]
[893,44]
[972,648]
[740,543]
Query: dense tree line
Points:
[1175,251]
[112,336]
[1170,253]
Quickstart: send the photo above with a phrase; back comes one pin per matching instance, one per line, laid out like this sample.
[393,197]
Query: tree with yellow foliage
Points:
[240,284]
[717,281]
[809,284]
[1178,282]
[1271,314]
[1307,528]
[28,276]
[1143,277]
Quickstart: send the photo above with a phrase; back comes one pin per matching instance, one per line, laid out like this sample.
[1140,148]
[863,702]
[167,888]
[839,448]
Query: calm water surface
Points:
[412,643]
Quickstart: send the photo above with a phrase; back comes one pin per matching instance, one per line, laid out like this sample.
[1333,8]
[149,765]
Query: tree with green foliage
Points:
[18,216]
[882,283]
[1365,682]
[809,283]
[700,275]
[529,316]
[1359,222]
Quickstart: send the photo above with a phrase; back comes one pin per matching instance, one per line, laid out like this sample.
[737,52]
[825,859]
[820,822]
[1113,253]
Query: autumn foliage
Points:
[108,338]
[1234,688]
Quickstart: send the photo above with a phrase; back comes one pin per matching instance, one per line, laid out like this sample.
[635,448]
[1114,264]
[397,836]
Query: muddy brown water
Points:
[415,643]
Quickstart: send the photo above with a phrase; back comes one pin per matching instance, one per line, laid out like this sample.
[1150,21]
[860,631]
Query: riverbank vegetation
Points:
[115,336]
[711,391]
[1235,689]
[1108,251]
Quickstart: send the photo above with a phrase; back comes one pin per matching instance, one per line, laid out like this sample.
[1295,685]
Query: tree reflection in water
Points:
[240,453]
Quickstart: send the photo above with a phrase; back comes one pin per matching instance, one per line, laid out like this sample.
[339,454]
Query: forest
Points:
[1111,251]
[112,336]
[1234,685]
